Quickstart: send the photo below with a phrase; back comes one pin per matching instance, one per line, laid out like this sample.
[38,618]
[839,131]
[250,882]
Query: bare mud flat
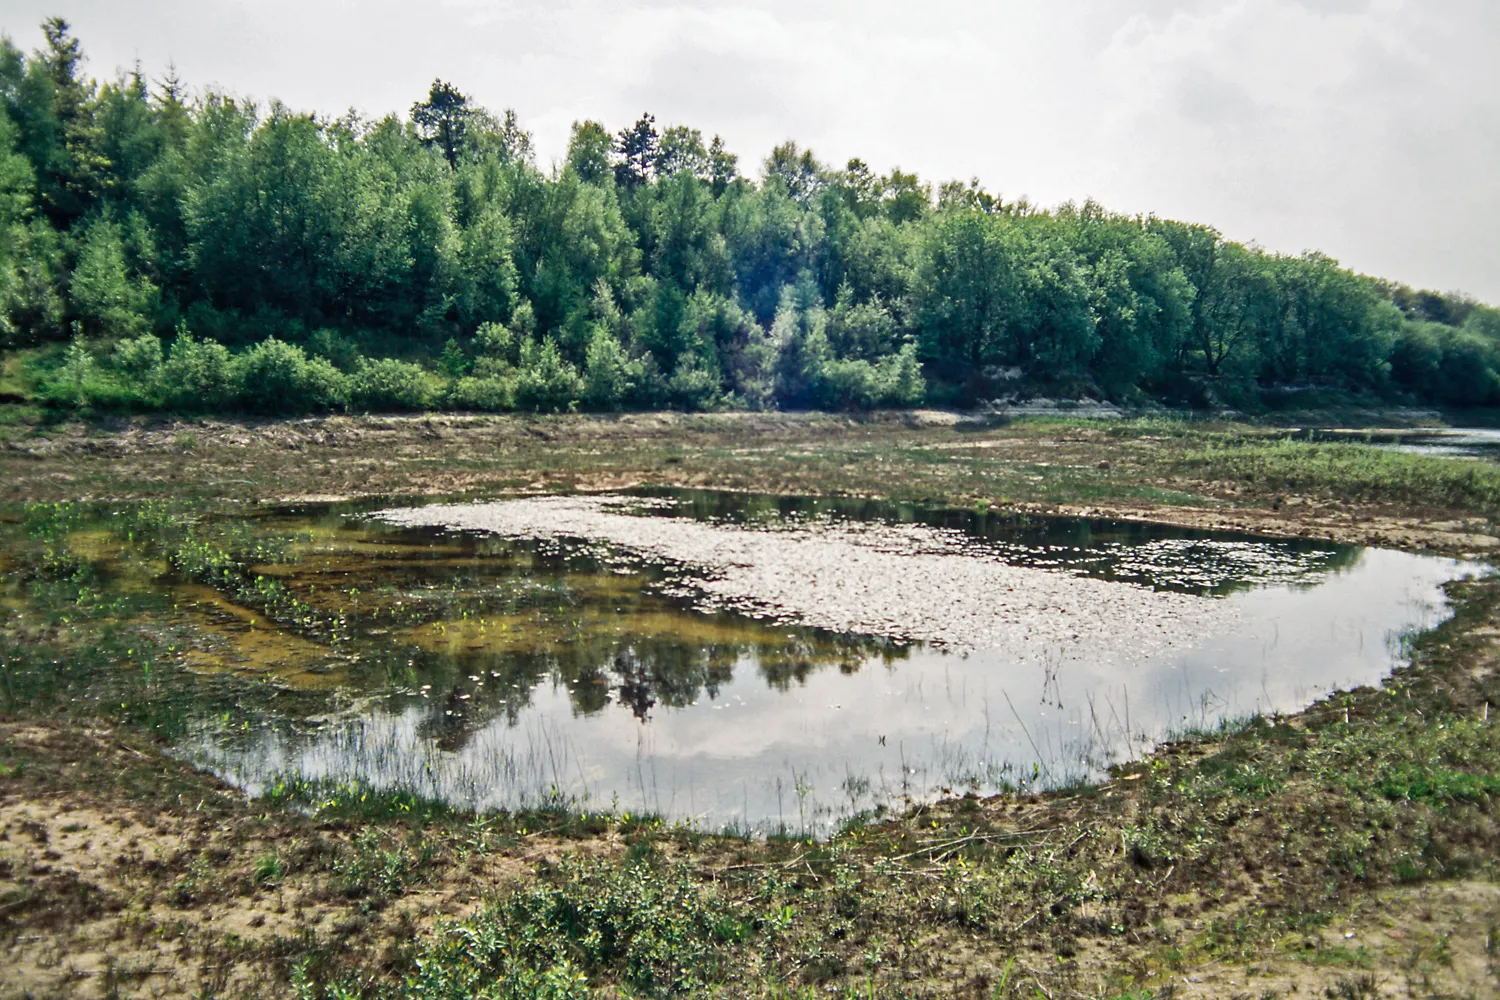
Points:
[907,582]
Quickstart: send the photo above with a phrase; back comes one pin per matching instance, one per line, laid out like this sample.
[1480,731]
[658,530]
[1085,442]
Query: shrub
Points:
[857,384]
[546,382]
[490,394]
[277,377]
[609,376]
[197,374]
[902,381]
[453,362]
[693,387]
[652,928]
[388,384]
[141,357]
[495,341]
[73,381]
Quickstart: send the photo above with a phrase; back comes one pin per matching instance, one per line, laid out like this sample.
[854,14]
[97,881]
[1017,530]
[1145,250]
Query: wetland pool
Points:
[762,663]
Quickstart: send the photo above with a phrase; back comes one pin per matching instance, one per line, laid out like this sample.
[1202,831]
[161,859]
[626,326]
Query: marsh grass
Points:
[1237,844]
[1347,471]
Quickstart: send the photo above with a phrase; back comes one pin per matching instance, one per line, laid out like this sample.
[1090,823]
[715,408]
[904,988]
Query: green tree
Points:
[488,279]
[443,120]
[723,167]
[968,291]
[107,299]
[76,169]
[682,151]
[1234,305]
[588,152]
[637,147]
[799,337]
[16,180]
[795,170]
[904,197]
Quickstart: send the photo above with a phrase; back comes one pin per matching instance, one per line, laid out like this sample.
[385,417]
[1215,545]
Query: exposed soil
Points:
[920,455]
[126,873]
[122,871]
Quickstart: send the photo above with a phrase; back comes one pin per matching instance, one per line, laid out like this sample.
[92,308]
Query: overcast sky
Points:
[1369,129]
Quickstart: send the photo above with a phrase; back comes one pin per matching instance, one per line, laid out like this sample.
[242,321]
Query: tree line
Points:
[164,250]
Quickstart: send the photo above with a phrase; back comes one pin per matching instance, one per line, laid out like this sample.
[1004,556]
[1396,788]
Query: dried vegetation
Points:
[1348,851]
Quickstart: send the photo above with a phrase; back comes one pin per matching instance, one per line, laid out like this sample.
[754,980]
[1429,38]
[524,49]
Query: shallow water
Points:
[775,663]
[1450,442]
[762,662]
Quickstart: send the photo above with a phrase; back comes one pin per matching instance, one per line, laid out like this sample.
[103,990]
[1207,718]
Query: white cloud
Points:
[1363,128]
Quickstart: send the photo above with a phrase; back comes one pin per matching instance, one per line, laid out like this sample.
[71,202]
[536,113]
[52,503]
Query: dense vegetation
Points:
[162,251]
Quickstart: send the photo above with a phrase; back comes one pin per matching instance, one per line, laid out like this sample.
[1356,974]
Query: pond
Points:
[762,663]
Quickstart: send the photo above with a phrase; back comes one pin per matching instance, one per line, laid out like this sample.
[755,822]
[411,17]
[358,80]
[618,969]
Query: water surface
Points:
[1451,442]
[660,653]
[763,662]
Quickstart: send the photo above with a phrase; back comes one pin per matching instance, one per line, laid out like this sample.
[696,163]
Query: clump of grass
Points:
[377,867]
[1412,784]
[268,869]
[353,800]
[651,926]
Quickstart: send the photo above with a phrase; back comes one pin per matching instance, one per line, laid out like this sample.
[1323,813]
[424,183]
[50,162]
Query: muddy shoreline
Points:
[1345,851]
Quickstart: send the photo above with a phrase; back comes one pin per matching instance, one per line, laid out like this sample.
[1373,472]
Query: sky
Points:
[1367,129]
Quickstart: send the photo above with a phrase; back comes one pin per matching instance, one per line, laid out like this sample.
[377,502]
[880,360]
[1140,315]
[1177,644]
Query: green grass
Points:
[1377,789]
[1348,471]
[652,927]
[1413,784]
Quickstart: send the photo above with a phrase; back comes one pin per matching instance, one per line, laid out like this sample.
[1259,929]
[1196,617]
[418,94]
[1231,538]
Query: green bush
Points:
[82,381]
[651,927]
[140,357]
[492,394]
[492,340]
[693,387]
[197,375]
[609,377]
[861,385]
[388,384]
[546,382]
[277,377]
[73,379]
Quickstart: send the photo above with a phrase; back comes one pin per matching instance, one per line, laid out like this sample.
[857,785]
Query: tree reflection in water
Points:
[635,672]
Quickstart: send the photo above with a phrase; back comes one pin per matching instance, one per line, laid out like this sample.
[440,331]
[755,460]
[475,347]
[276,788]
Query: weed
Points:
[268,869]
[376,868]
[1352,988]
[191,885]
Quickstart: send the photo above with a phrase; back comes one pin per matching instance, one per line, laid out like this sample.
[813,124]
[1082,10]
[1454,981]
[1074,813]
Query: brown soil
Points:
[126,873]
[933,455]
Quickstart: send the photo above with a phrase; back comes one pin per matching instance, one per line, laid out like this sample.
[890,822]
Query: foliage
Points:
[652,924]
[388,384]
[277,377]
[645,272]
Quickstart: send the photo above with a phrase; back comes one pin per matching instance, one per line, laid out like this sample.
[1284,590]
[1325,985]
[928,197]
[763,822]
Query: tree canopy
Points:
[174,238]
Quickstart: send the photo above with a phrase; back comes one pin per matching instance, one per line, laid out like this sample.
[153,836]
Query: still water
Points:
[761,662]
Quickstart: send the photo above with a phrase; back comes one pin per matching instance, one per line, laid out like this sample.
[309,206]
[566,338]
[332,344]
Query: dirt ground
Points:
[117,891]
[919,455]
[123,872]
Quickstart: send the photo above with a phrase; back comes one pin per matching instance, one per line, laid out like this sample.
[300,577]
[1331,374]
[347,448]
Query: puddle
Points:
[758,662]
